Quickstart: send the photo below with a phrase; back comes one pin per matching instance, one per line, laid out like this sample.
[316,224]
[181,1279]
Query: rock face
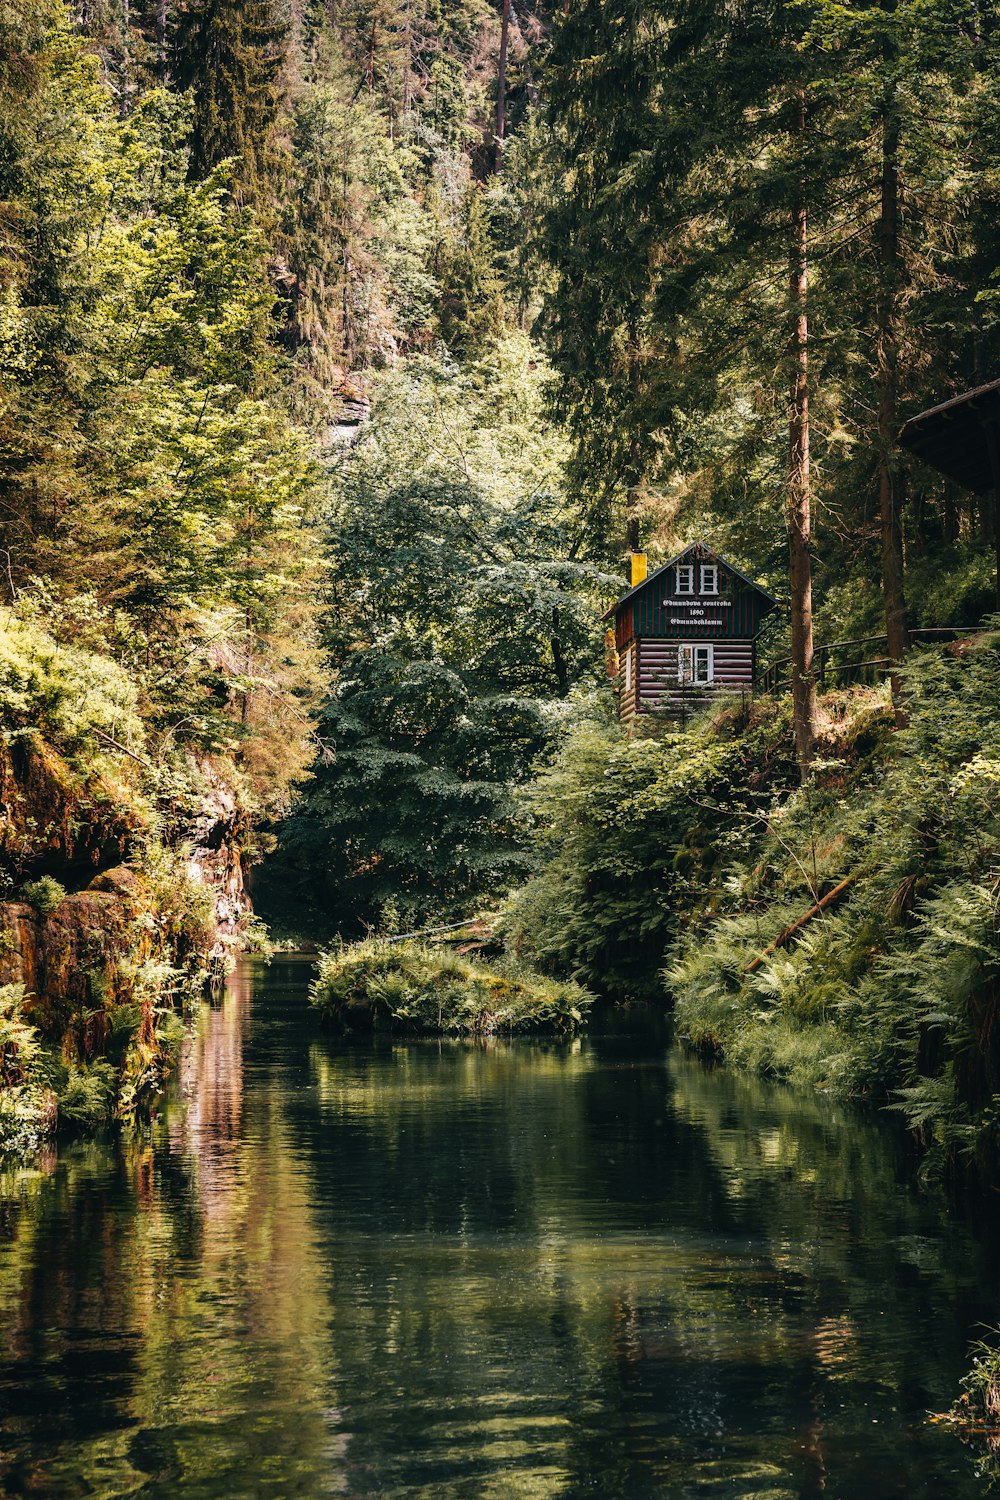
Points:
[79,959]
[52,820]
[70,961]
[218,861]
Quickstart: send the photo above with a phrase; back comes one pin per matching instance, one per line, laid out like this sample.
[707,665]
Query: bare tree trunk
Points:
[632,518]
[799,491]
[124,102]
[890,479]
[634,472]
[558,657]
[502,83]
[949,516]
[247,665]
[161,39]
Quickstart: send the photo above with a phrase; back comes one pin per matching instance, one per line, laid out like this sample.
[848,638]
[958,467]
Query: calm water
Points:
[362,1269]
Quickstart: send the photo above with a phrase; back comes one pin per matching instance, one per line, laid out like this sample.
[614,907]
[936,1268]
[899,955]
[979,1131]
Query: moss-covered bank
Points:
[415,988]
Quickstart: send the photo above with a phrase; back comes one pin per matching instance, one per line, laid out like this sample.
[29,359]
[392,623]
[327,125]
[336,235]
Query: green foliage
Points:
[705,845]
[230,55]
[979,1404]
[27,1107]
[19,1045]
[459,626]
[87,1098]
[630,836]
[894,988]
[667,229]
[415,987]
[44,894]
[73,697]
[145,463]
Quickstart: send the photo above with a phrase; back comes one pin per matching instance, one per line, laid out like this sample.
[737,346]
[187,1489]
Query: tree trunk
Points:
[890,478]
[123,102]
[949,518]
[161,39]
[799,497]
[502,83]
[558,658]
[993,449]
[632,519]
[634,474]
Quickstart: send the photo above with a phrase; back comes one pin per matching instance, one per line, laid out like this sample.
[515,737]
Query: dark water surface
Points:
[366,1269]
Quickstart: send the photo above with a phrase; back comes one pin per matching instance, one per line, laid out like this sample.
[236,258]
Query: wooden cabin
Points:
[686,632]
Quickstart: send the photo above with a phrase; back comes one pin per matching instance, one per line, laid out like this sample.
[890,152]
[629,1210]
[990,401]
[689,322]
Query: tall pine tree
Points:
[230,54]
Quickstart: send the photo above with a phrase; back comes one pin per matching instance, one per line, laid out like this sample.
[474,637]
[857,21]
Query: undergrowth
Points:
[418,988]
[42,1091]
[843,934]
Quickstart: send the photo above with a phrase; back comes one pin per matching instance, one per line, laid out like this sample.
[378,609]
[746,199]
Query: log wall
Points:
[659,689]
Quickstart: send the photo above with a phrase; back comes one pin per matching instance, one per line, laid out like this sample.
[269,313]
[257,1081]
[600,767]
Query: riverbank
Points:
[842,934]
[122,887]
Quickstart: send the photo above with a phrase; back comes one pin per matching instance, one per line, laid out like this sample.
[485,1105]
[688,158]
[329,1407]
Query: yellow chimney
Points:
[638,567]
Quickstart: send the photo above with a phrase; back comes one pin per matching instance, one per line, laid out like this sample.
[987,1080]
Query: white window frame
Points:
[696,663]
[709,578]
[628,670]
[684,578]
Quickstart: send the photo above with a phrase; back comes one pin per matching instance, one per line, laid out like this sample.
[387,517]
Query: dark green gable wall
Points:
[654,606]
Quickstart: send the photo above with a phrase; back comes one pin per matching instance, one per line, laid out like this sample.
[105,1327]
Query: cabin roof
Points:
[951,437]
[702,550]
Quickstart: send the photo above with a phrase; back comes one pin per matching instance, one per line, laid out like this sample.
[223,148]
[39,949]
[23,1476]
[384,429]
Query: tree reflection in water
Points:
[460,1269]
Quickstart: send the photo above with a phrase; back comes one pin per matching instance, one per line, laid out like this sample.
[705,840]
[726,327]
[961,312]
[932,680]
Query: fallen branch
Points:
[123,749]
[796,926]
[404,937]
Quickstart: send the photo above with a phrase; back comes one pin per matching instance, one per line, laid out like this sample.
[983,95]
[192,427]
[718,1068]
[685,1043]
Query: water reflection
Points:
[479,1270]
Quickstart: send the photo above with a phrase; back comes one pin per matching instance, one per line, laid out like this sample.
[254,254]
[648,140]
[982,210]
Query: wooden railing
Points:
[829,671]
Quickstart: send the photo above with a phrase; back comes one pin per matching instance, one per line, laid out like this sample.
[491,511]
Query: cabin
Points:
[686,632]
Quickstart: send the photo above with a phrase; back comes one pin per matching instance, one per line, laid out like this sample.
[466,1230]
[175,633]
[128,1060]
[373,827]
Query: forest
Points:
[346,354]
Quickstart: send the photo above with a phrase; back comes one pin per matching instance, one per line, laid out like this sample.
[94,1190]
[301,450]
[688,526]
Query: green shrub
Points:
[44,894]
[632,835]
[27,1112]
[72,696]
[704,848]
[20,1047]
[88,1096]
[414,987]
[980,1402]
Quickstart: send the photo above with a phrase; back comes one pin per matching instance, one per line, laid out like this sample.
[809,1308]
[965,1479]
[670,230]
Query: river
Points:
[366,1268]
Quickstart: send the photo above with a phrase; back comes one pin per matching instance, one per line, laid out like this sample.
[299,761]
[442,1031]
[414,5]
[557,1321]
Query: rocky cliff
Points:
[110,923]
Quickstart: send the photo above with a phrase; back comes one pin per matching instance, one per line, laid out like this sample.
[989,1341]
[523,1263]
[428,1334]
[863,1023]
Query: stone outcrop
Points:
[57,822]
[77,960]
[70,960]
[218,860]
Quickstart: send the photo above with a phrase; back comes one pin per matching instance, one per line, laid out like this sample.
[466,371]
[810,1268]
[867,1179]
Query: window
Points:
[628,671]
[695,666]
[709,578]
[685,578]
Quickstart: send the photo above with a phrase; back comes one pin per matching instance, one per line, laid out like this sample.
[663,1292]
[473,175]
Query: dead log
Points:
[800,922]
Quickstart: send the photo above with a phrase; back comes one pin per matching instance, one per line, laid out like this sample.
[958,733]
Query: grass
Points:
[416,988]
